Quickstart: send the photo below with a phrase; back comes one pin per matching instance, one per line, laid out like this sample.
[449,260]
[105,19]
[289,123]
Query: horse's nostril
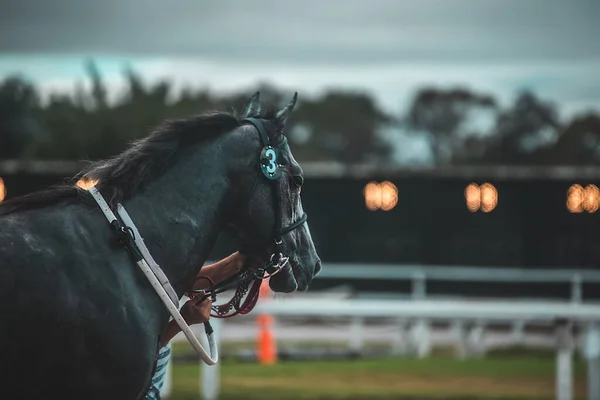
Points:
[318,267]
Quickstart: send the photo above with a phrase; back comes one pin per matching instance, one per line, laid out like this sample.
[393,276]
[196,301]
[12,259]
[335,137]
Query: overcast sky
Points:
[388,47]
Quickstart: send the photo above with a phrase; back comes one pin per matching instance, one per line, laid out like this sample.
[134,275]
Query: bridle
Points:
[127,235]
[247,282]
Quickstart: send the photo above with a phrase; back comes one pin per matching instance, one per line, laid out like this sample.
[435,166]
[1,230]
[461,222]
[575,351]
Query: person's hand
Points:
[196,311]
[247,261]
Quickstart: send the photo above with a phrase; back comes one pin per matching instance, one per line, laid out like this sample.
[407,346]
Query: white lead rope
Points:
[139,241]
[211,359]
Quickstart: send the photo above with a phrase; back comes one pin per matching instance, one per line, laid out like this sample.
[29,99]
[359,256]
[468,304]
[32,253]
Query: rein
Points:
[245,282]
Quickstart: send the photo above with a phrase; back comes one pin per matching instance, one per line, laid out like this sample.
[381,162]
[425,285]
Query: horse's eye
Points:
[298,180]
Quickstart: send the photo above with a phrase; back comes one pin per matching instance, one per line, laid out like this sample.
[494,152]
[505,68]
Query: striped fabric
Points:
[158,380]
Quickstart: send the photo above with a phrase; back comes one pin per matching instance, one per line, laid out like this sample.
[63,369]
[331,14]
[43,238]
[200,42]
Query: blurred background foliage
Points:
[459,125]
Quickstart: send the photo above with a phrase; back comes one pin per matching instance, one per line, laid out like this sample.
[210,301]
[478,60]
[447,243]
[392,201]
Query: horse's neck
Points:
[180,220]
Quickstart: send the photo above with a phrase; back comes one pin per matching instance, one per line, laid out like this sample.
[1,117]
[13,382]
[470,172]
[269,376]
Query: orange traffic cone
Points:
[267,347]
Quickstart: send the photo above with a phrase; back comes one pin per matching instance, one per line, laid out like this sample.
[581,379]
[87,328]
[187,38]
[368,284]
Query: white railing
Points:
[467,317]
[419,274]
[564,316]
[433,310]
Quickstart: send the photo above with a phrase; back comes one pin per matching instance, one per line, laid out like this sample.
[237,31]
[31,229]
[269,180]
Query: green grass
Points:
[512,374]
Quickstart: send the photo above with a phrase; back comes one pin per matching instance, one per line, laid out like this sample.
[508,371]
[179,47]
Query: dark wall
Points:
[431,224]
[21,183]
[530,227]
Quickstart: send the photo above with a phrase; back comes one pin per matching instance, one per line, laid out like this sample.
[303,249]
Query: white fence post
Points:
[399,338]
[591,351]
[420,330]
[460,336]
[576,289]
[421,339]
[476,338]
[419,286]
[210,382]
[356,339]
[518,332]
[564,364]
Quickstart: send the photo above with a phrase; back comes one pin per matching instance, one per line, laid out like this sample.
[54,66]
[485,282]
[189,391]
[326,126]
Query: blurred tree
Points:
[579,143]
[140,109]
[79,125]
[190,103]
[19,130]
[271,98]
[99,94]
[462,126]
[452,119]
[68,129]
[340,126]
[523,132]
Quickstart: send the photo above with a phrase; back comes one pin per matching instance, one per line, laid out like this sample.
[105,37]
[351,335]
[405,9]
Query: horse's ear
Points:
[253,108]
[283,115]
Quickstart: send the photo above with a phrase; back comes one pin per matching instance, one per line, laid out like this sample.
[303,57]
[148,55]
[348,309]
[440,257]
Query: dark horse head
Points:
[269,217]
[63,276]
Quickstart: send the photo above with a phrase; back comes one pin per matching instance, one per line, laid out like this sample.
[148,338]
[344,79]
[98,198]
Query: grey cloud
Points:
[351,31]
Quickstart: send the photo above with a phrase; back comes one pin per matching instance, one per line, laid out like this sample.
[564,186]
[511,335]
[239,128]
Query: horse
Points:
[79,320]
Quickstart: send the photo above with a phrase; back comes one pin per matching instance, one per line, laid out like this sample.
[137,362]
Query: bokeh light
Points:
[389,195]
[484,197]
[380,196]
[2,190]
[473,197]
[575,196]
[489,197]
[372,194]
[591,200]
[581,199]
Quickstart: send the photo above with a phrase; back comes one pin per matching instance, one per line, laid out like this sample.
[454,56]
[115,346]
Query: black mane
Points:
[124,174]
